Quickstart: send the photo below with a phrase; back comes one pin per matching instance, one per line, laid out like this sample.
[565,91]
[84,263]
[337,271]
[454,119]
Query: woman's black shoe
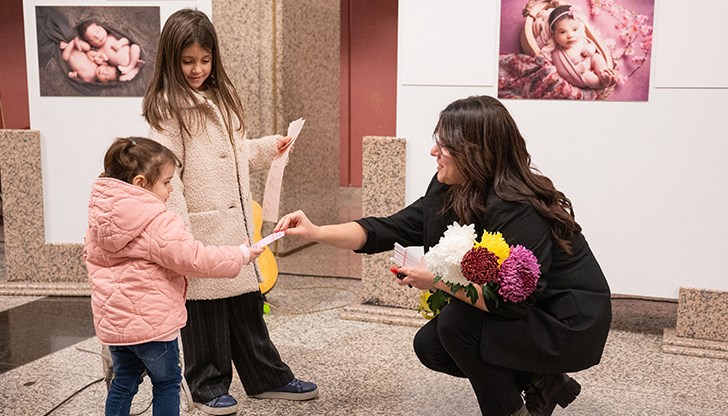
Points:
[548,390]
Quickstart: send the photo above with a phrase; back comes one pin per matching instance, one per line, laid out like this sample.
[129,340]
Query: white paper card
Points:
[407,256]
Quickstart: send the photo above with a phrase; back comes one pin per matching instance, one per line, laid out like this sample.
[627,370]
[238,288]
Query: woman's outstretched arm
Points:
[349,235]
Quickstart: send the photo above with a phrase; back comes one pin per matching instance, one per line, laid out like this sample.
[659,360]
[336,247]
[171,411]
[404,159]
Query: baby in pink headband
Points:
[576,57]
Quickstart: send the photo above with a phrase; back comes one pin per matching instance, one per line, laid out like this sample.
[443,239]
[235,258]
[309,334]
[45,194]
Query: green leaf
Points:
[490,292]
[438,300]
[454,287]
[472,293]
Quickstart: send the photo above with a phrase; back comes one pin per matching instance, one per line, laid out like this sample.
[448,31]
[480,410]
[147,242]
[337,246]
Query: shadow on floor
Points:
[643,316]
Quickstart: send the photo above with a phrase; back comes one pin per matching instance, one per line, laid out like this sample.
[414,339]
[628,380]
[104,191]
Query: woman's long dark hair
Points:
[487,147]
[169,95]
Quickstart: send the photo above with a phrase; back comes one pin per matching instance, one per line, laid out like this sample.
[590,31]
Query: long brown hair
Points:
[488,148]
[169,95]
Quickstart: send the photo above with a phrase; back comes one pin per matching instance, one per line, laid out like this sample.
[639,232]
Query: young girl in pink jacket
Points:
[137,254]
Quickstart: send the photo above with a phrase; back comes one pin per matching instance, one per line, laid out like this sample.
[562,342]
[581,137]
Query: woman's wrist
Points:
[440,285]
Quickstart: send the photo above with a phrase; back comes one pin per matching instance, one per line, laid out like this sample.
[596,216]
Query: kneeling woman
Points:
[484,177]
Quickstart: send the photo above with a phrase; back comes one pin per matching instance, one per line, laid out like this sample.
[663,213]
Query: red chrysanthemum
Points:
[480,266]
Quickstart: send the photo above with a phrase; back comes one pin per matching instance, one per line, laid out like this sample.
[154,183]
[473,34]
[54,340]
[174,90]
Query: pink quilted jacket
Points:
[137,255]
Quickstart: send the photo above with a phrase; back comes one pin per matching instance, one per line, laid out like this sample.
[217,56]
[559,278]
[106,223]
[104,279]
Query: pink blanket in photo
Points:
[567,69]
[525,76]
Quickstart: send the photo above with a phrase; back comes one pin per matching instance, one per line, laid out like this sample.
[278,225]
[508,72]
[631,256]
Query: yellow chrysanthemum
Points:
[424,307]
[496,244]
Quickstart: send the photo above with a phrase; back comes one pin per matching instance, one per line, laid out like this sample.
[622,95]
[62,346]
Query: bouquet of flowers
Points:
[505,273]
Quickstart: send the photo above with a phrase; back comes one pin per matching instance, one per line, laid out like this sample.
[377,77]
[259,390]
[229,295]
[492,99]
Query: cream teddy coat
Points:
[212,190]
[137,253]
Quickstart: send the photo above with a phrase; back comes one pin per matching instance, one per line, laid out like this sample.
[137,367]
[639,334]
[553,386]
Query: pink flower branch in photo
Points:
[633,45]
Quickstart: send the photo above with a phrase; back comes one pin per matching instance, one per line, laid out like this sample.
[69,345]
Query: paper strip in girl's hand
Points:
[272,194]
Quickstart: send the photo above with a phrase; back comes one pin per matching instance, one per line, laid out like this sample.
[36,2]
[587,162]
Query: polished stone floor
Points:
[362,368]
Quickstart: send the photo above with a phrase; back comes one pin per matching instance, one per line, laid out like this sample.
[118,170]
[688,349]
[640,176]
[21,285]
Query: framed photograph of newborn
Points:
[575,49]
[96,50]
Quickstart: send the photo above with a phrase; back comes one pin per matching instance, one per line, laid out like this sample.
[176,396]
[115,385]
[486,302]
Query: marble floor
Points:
[48,364]
[362,368]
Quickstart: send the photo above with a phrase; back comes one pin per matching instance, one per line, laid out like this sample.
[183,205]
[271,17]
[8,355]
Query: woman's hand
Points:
[423,279]
[298,224]
[417,276]
[349,235]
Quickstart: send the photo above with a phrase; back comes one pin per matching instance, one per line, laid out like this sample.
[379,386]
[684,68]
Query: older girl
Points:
[194,109]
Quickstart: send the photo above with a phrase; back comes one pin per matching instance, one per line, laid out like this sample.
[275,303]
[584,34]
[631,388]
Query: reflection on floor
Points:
[40,327]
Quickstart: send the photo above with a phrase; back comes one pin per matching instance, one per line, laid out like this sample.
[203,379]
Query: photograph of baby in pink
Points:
[575,49]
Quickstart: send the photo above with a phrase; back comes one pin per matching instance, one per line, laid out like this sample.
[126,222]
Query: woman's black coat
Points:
[562,327]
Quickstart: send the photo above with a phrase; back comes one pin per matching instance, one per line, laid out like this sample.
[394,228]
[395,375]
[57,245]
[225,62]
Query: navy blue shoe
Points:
[220,405]
[294,390]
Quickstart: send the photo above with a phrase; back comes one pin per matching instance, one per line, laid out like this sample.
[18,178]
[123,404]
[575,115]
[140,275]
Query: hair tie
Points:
[133,142]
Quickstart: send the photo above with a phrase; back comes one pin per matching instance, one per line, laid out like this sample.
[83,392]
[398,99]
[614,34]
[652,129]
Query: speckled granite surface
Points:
[23,205]
[28,258]
[673,344]
[245,31]
[45,289]
[702,314]
[383,193]
[702,324]
[307,80]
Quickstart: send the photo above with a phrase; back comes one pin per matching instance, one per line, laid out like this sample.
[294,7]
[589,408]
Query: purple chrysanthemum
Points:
[480,266]
[518,275]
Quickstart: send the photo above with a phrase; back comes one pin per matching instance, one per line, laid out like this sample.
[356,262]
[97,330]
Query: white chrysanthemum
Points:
[444,259]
